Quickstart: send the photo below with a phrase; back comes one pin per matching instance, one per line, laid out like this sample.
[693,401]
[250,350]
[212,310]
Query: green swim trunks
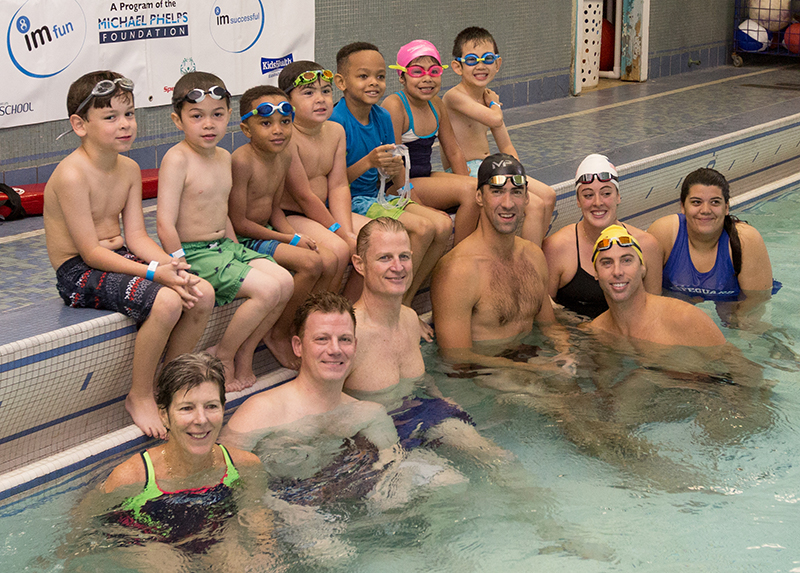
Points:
[377,210]
[223,263]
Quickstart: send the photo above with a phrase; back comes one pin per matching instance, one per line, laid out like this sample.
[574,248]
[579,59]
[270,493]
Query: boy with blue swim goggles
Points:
[266,109]
[473,60]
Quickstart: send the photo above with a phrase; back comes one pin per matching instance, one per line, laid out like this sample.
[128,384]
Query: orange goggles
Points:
[622,241]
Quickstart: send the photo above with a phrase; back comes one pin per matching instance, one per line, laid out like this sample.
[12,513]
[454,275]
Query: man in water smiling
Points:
[634,313]
[493,285]
[319,444]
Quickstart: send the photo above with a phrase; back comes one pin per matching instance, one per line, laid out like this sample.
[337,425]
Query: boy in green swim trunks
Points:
[474,108]
[194,183]
[361,75]
[259,171]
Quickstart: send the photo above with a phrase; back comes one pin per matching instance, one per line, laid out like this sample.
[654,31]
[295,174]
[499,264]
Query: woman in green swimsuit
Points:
[188,481]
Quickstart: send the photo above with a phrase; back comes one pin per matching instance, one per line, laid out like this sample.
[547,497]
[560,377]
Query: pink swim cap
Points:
[414,50]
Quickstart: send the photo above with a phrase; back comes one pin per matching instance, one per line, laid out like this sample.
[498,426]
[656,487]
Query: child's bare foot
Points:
[243,377]
[228,364]
[144,412]
[281,348]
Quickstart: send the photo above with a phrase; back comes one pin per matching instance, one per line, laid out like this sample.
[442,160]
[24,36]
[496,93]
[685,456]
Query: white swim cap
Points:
[596,164]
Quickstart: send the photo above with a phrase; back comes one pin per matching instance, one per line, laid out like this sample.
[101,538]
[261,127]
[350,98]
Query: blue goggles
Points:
[473,59]
[266,109]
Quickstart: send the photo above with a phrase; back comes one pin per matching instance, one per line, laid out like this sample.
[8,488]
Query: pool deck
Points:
[631,123]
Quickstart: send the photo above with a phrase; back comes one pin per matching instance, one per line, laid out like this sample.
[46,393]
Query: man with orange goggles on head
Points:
[635,313]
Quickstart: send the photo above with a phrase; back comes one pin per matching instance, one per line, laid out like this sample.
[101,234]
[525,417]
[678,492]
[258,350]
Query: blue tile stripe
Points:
[60,420]
[48,354]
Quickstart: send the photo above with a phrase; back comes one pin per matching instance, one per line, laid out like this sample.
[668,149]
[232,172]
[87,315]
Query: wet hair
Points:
[472,34]
[290,73]
[251,95]
[186,372]
[381,224]
[83,86]
[324,302]
[713,178]
[195,80]
[343,55]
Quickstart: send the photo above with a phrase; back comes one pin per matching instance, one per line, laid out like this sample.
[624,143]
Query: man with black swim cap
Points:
[493,285]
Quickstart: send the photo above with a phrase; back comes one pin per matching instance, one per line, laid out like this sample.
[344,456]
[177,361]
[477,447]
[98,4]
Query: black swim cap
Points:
[498,164]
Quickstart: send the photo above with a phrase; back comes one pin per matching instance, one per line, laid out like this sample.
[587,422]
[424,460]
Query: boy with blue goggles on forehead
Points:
[260,169]
[474,108]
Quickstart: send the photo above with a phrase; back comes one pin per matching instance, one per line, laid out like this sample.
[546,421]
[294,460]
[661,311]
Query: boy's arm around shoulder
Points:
[171,180]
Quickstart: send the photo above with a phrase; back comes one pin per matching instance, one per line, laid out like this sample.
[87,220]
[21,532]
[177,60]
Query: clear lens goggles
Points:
[311,76]
[603,177]
[473,59]
[106,87]
[197,95]
[266,109]
[498,181]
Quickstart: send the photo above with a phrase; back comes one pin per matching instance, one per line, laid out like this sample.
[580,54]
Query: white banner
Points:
[51,43]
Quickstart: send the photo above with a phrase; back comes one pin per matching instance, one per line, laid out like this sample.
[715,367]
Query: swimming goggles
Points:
[473,59]
[197,95]
[602,177]
[311,76]
[434,71]
[622,241]
[106,87]
[266,109]
[499,181]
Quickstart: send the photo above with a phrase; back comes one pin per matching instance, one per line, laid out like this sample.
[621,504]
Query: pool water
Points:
[636,464]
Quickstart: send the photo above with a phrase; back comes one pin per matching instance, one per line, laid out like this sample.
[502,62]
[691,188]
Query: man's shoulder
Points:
[257,412]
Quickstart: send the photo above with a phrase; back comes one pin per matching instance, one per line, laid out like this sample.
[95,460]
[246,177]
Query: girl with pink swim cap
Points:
[418,116]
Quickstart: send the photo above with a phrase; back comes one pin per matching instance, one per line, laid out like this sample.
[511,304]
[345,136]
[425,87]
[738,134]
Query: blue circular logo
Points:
[23,24]
[217,11]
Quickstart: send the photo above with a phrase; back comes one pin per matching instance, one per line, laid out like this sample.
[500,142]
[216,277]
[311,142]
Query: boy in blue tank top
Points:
[361,75]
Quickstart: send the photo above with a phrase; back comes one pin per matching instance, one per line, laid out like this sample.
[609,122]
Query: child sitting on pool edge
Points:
[318,193]
[474,108]
[96,267]
[194,183]
[259,170]
[361,75]
[418,109]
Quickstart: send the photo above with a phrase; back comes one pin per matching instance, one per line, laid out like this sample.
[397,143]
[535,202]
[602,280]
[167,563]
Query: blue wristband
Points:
[335,227]
[178,254]
[151,270]
[295,240]
[491,103]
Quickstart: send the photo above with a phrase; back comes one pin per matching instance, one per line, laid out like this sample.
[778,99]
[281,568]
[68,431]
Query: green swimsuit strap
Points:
[231,473]
[149,492]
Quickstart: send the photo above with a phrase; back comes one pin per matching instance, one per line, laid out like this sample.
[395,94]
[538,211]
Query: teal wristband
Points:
[151,270]
[295,240]
[335,227]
